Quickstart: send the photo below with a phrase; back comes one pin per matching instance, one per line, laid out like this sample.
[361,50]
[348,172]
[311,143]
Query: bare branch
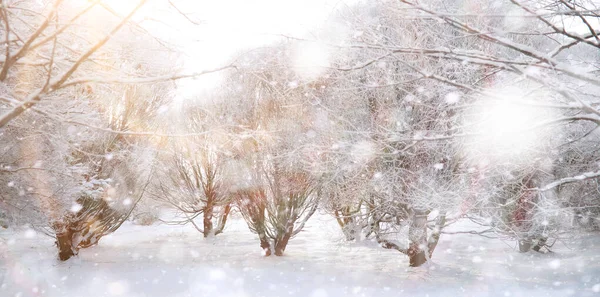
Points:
[567,180]
[144,80]
[36,96]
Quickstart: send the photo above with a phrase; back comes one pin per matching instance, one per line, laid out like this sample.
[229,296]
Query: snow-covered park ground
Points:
[163,260]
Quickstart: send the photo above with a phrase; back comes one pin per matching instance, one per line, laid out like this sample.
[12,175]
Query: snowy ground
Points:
[175,261]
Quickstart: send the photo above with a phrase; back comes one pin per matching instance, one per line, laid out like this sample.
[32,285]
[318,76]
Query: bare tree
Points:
[441,76]
[98,93]
[273,157]
[279,205]
[196,186]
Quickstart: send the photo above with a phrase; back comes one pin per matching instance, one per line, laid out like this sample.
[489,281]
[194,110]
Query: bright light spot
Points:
[127,201]
[452,98]
[504,122]
[30,233]
[225,33]
[76,207]
[477,259]
[292,84]
[596,288]
[554,264]
[310,60]
[438,166]
[505,128]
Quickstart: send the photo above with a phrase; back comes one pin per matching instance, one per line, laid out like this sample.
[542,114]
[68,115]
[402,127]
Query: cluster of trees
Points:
[415,115]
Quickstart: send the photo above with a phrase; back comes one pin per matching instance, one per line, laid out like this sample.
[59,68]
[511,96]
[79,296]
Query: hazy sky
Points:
[227,26]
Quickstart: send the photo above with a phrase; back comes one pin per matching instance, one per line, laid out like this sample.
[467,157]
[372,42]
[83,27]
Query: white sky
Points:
[228,26]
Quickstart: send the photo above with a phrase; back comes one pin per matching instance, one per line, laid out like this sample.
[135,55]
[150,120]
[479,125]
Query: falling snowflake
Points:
[76,207]
[452,98]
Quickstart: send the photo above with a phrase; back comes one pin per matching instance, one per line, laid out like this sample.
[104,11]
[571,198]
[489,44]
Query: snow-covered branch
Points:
[567,180]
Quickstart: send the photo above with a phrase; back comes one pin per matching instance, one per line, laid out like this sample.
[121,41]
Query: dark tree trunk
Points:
[416,256]
[541,242]
[64,241]
[282,243]
[86,227]
[524,245]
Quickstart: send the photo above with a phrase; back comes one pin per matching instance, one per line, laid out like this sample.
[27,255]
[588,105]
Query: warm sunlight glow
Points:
[230,27]
[224,29]
[124,7]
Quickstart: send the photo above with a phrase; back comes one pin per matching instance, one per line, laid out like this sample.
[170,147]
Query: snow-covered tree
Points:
[194,184]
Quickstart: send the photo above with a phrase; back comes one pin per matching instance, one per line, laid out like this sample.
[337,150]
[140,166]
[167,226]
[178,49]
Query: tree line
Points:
[411,117]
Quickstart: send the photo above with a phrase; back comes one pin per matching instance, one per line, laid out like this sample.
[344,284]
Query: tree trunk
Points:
[541,242]
[417,235]
[282,243]
[349,231]
[524,245]
[264,243]
[64,241]
[223,219]
[346,222]
[207,222]
[435,235]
